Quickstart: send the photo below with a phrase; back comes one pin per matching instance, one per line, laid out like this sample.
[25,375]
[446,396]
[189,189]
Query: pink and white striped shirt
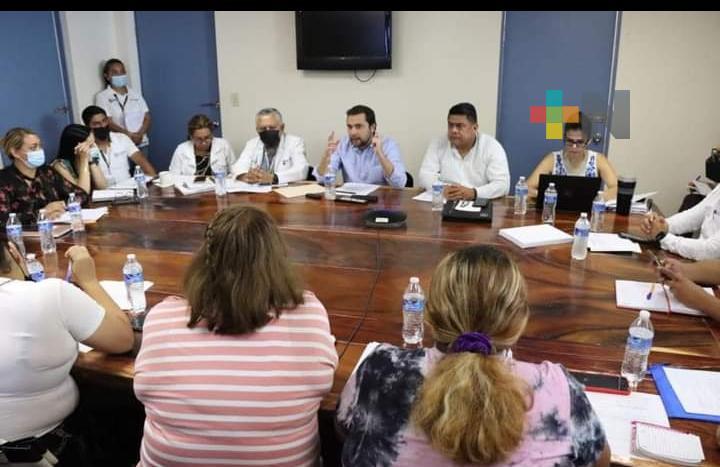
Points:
[218,400]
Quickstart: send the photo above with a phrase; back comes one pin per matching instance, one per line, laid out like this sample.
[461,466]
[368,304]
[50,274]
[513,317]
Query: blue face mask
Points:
[118,81]
[36,158]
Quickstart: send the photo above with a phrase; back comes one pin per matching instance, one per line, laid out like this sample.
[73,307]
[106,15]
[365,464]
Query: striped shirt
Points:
[218,400]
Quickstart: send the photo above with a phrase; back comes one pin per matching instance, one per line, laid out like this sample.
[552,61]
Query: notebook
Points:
[666,444]
[632,294]
[535,235]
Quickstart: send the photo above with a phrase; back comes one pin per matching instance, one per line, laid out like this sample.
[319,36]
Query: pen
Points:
[68,274]
[652,288]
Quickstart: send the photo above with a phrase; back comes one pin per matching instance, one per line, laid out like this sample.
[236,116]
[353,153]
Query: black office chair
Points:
[309,177]
[410,182]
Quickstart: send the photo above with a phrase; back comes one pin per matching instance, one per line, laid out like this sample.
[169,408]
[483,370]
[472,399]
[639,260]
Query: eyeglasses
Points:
[575,143]
[202,140]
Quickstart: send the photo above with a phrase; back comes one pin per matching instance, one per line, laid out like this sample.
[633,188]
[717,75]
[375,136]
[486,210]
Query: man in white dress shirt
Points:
[273,156]
[471,164]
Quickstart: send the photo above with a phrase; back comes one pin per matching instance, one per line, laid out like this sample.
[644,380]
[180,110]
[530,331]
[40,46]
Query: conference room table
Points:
[359,274]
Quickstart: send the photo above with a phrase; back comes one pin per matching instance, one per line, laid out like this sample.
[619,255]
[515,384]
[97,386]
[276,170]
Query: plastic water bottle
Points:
[549,204]
[219,174]
[330,184]
[437,194]
[73,207]
[598,213]
[45,227]
[413,309]
[521,194]
[135,287]
[637,349]
[14,231]
[142,191]
[582,235]
[34,267]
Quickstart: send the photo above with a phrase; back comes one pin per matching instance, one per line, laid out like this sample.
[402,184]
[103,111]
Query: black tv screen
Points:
[343,40]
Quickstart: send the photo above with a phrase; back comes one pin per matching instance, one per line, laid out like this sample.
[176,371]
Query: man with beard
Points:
[363,155]
[115,148]
[273,156]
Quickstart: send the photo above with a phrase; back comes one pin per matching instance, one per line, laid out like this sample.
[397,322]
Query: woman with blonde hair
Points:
[234,374]
[466,401]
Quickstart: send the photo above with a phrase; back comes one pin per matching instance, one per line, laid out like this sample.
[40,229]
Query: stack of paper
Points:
[611,243]
[300,190]
[238,186]
[89,216]
[110,195]
[187,186]
[535,235]
[117,291]
[357,188]
[617,412]
[632,294]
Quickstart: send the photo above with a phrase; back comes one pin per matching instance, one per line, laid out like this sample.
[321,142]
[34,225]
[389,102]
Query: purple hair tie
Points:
[475,342]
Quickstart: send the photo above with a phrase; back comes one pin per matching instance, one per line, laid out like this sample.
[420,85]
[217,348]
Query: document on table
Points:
[300,190]
[697,390]
[187,186]
[89,216]
[358,188]
[238,186]
[617,412]
[632,294]
[117,291]
[128,184]
[426,196]
[610,242]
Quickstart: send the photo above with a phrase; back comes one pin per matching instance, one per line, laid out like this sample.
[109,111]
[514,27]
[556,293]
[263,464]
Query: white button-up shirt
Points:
[704,216]
[484,167]
[289,163]
[114,162]
[183,159]
[127,110]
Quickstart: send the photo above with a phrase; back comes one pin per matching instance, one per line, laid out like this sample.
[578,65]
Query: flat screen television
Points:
[343,40]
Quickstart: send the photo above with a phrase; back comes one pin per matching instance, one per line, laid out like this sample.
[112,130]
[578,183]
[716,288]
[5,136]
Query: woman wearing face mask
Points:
[202,153]
[273,156]
[29,184]
[41,324]
[128,111]
[78,158]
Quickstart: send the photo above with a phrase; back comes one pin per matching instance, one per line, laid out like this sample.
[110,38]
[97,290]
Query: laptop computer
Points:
[575,194]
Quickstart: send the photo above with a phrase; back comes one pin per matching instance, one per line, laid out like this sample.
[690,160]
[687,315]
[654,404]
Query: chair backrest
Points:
[410,182]
[309,176]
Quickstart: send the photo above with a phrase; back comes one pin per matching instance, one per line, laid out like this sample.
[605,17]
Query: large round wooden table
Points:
[359,275]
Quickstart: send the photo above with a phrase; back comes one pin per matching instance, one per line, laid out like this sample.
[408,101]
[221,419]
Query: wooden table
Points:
[359,274]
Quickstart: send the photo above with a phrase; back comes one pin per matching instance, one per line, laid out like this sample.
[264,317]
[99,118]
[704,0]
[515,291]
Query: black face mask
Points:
[270,138]
[102,133]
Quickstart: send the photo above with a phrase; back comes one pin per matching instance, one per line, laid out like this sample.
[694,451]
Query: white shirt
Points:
[704,216]
[289,164]
[484,167]
[183,159]
[114,161]
[131,117]
[40,326]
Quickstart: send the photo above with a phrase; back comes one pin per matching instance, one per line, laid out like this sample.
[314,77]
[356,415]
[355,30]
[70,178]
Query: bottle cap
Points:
[551,184]
[30,256]
[521,178]
[131,256]
[583,214]
[644,314]
[414,280]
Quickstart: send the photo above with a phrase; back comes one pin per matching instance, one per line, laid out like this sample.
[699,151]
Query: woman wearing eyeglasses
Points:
[576,159]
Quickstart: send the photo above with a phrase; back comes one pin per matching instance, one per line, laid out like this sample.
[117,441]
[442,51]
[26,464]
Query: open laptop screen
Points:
[575,193]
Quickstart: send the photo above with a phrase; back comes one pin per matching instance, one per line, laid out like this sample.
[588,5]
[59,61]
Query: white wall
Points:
[439,59]
[670,63]
[90,38]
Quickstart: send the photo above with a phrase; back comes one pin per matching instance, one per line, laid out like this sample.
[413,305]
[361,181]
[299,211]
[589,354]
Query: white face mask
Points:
[35,158]
[119,81]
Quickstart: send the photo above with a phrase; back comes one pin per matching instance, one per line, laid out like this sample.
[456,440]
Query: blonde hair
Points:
[241,274]
[14,139]
[471,406]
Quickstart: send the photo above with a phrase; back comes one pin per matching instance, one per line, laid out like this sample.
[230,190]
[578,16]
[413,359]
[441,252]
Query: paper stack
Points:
[535,235]
[111,195]
[89,216]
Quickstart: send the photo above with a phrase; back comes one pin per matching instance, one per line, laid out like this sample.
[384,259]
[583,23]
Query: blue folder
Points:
[672,404]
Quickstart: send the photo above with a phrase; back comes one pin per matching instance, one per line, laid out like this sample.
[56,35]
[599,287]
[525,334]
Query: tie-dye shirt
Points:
[561,430]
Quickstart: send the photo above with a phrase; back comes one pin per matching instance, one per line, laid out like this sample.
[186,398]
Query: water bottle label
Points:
[580,232]
[414,305]
[45,226]
[329,179]
[521,191]
[14,230]
[74,207]
[37,276]
[598,207]
[639,344]
[437,188]
[133,278]
[550,199]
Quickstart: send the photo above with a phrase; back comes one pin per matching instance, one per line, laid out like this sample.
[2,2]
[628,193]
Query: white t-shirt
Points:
[40,326]
[127,110]
[183,159]
[114,162]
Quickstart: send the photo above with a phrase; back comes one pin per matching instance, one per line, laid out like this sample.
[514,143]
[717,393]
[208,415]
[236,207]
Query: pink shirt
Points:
[251,399]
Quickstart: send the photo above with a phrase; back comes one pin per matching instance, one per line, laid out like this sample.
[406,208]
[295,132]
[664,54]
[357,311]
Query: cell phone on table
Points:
[636,238]
[600,382]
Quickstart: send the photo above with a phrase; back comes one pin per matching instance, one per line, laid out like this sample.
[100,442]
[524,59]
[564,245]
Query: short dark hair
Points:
[90,111]
[464,108]
[72,135]
[363,109]
[569,126]
[111,62]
